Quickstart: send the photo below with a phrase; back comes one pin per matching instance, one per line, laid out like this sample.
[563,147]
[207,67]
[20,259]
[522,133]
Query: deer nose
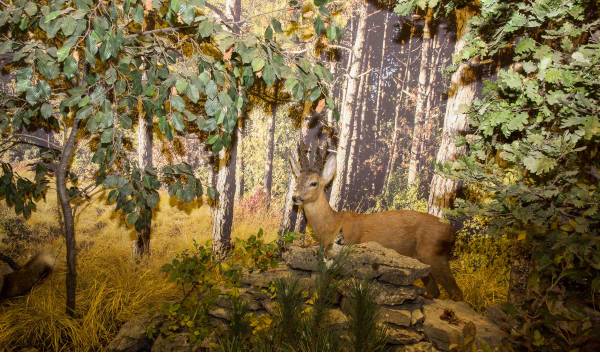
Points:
[296,199]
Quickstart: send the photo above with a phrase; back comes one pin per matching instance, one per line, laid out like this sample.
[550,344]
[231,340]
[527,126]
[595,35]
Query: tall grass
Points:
[112,288]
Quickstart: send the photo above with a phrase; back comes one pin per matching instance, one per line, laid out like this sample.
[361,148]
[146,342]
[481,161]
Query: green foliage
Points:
[104,65]
[255,253]
[366,335]
[20,192]
[533,153]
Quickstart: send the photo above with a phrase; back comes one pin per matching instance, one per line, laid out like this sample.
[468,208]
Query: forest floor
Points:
[113,288]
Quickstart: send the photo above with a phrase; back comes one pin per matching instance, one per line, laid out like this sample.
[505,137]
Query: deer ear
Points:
[294,164]
[329,168]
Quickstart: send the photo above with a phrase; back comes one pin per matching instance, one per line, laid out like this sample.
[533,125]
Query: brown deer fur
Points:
[410,233]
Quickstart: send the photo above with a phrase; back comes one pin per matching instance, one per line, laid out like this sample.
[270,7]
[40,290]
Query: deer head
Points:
[310,184]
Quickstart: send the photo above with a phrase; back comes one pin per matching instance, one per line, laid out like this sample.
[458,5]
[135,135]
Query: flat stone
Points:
[400,317]
[179,342]
[445,322]
[422,346]
[373,261]
[220,313]
[302,258]
[402,335]
[246,296]
[132,336]
[387,294]
[264,279]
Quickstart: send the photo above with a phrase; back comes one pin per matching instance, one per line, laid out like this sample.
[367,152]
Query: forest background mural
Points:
[145,143]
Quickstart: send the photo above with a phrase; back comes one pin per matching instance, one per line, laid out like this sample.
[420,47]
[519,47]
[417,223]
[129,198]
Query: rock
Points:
[423,346]
[219,313]
[264,279]
[400,317]
[373,261]
[386,294]
[401,335]
[249,298]
[179,342]
[336,319]
[445,322]
[133,337]
[300,258]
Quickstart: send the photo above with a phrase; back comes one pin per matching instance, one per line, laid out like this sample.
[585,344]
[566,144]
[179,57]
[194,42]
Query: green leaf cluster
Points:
[533,163]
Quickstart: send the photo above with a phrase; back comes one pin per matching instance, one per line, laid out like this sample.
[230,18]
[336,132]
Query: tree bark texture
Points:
[400,128]
[68,219]
[268,178]
[460,95]
[226,170]
[141,246]
[346,115]
[422,89]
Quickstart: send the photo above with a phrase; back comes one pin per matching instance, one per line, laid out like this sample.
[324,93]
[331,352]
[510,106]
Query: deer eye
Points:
[313,184]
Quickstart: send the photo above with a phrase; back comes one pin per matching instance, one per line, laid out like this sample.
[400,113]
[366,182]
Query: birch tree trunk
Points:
[460,95]
[226,171]
[268,178]
[141,246]
[422,89]
[346,116]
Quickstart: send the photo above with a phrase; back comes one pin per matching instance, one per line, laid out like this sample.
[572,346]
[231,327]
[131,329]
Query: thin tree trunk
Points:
[226,171]
[413,164]
[461,93]
[399,123]
[358,117]
[429,123]
[68,220]
[141,246]
[380,92]
[268,179]
[346,119]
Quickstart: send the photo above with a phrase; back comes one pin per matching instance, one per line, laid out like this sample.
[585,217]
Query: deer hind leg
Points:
[431,286]
[440,269]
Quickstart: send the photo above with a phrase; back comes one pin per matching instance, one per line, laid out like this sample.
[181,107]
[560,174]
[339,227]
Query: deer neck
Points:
[324,221]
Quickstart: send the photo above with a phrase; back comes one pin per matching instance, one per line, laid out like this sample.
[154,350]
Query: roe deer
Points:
[410,233]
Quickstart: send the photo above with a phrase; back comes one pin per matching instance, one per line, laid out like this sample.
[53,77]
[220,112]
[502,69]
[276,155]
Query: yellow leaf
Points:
[522,236]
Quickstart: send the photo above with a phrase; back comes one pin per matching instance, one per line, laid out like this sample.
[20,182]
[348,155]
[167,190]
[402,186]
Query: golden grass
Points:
[112,288]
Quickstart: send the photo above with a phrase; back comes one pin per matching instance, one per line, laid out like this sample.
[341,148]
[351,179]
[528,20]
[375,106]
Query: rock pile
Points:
[412,322]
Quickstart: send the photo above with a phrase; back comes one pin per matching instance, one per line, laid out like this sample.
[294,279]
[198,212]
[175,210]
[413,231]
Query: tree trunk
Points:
[239,176]
[422,89]
[380,92]
[223,212]
[268,178]
[68,220]
[460,94]
[360,109]
[233,12]
[226,170]
[346,116]
[430,122]
[141,246]
[399,122]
